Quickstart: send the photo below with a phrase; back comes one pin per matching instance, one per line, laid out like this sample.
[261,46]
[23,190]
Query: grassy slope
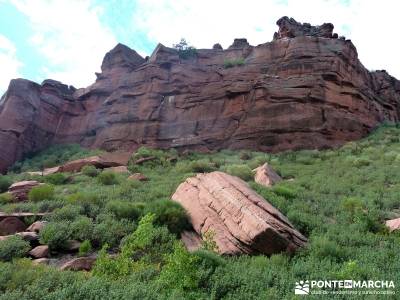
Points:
[338,198]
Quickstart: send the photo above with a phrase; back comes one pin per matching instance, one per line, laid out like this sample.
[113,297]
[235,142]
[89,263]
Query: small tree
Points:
[184,50]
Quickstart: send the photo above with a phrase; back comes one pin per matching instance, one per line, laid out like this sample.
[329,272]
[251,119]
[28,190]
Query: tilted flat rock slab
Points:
[266,176]
[242,221]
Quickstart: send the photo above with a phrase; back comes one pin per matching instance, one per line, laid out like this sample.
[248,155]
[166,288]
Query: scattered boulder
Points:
[266,176]
[41,261]
[72,246]
[393,224]
[191,240]
[31,237]
[79,264]
[36,226]
[138,177]
[142,160]
[119,170]
[240,219]
[20,190]
[40,251]
[11,225]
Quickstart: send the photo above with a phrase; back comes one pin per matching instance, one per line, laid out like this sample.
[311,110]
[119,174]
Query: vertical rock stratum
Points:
[305,89]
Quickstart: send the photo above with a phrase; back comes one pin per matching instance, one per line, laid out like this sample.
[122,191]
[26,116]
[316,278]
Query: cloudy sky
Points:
[66,39]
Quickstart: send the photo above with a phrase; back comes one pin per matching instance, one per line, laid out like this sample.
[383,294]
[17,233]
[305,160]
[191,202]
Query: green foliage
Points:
[124,209]
[85,248]
[230,63]
[5,183]
[169,213]
[209,243]
[13,247]
[52,156]
[41,193]
[241,171]
[181,270]
[6,198]
[55,235]
[107,178]
[184,50]
[90,171]
[56,179]
[82,229]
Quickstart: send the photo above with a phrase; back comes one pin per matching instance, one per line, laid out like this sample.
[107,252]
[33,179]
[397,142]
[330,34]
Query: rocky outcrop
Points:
[305,89]
[36,226]
[290,28]
[20,190]
[79,264]
[393,224]
[239,219]
[39,251]
[266,176]
[11,225]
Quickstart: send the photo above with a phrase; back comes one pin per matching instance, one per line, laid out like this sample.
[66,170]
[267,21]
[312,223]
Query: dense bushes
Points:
[56,179]
[338,198]
[13,247]
[107,178]
[41,193]
[90,171]
[5,183]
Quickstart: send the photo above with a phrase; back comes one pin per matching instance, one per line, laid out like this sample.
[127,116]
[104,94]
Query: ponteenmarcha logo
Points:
[306,287]
[302,287]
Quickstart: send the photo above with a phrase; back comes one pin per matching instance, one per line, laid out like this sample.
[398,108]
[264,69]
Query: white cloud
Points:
[372,25]
[9,63]
[70,36]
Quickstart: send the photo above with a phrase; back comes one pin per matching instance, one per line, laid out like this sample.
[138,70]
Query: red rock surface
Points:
[39,251]
[11,225]
[20,190]
[79,264]
[240,219]
[266,176]
[36,226]
[305,89]
[393,224]
[138,176]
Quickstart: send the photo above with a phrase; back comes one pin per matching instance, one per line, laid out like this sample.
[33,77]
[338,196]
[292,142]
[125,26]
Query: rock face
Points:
[393,224]
[79,264]
[11,225]
[240,219]
[20,190]
[39,251]
[305,89]
[36,226]
[266,176]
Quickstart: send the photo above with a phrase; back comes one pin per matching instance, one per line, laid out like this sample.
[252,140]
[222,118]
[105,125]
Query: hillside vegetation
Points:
[338,198]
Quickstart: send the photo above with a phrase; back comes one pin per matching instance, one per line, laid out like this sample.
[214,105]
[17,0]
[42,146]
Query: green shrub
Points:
[6,198]
[13,247]
[184,50]
[40,193]
[241,171]
[284,191]
[170,214]
[55,235]
[85,248]
[124,209]
[230,63]
[56,179]
[5,183]
[82,229]
[107,178]
[90,171]
[66,213]
[201,166]
[181,270]
[109,230]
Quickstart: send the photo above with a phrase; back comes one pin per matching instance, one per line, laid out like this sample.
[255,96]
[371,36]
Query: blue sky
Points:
[66,39]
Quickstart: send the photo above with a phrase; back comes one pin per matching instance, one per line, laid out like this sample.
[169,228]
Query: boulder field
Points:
[305,89]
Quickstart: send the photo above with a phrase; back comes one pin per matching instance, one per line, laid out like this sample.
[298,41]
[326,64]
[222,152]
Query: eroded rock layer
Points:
[238,219]
[305,89]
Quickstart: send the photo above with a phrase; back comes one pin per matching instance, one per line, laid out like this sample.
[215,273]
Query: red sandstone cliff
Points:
[305,89]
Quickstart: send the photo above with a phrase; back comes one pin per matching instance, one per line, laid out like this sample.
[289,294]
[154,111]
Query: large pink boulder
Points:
[20,190]
[11,225]
[240,220]
[393,224]
[266,176]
